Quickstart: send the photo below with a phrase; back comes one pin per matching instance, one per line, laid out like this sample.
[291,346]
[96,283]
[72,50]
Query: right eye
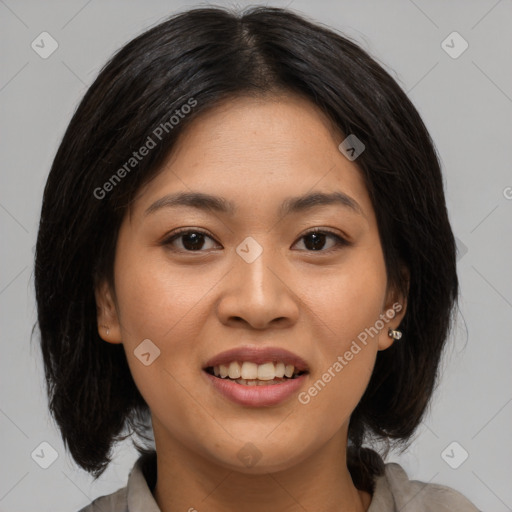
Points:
[191,240]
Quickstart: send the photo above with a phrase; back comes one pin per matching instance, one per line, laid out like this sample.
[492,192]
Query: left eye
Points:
[194,240]
[316,240]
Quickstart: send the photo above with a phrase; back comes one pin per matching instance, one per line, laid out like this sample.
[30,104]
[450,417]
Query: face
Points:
[258,269]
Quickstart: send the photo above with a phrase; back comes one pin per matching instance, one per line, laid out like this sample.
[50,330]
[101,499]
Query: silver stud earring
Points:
[396,335]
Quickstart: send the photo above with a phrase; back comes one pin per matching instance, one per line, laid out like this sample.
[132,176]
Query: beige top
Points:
[393,492]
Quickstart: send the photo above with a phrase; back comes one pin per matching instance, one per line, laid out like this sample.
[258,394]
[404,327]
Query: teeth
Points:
[266,371]
[288,370]
[257,382]
[253,374]
[224,371]
[234,370]
[249,370]
[280,370]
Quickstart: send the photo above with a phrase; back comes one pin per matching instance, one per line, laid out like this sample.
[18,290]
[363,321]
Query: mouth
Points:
[247,373]
[254,376]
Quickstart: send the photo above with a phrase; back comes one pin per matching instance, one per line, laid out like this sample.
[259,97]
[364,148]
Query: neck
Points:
[187,481]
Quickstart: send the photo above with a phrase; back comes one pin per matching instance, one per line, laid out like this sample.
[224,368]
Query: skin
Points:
[193,305]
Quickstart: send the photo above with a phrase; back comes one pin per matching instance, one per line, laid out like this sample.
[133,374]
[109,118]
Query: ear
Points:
[393,313]
[107,316]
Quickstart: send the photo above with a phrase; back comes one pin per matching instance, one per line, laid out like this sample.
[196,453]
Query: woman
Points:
[244,250]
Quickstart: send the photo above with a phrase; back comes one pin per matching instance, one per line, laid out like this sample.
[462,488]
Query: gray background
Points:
[466,103]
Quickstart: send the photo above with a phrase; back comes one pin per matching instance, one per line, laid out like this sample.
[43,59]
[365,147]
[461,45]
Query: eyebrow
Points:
[218,204]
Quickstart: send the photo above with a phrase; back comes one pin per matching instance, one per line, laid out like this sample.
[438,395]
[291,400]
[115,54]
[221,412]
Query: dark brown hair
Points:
[212,55]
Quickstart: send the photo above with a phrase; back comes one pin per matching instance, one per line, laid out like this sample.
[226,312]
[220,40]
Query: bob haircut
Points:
[213,55]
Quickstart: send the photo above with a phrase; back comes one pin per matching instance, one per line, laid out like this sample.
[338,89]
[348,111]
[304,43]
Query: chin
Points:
[268,458]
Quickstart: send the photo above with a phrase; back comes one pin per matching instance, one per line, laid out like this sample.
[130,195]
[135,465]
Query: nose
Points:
[258,295]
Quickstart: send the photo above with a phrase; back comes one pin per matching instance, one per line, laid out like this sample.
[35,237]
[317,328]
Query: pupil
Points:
[196,239]
[318,240]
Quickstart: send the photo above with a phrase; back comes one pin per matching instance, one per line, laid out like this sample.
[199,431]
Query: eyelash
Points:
[340,241]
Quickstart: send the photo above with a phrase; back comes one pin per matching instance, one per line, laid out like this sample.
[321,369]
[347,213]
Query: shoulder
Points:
[115,502]
[394,491]
[137,495]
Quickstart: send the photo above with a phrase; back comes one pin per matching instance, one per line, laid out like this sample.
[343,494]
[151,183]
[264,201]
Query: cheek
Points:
[347,309]
[154,300]
[337,389]
[349,300]
[158,303]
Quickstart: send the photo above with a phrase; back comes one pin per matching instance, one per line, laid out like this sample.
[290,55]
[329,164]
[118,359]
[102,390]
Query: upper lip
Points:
[258,355]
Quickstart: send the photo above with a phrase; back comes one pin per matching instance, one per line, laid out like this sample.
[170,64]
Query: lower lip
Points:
[257,396]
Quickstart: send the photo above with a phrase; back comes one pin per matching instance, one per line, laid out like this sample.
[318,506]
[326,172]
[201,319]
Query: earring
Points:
[108,329]
[396,335]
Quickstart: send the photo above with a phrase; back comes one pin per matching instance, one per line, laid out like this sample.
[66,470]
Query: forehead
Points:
[259,130]
[260,150]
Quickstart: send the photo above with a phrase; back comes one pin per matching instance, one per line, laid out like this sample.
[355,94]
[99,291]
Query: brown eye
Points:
[190,240]
[316,240]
